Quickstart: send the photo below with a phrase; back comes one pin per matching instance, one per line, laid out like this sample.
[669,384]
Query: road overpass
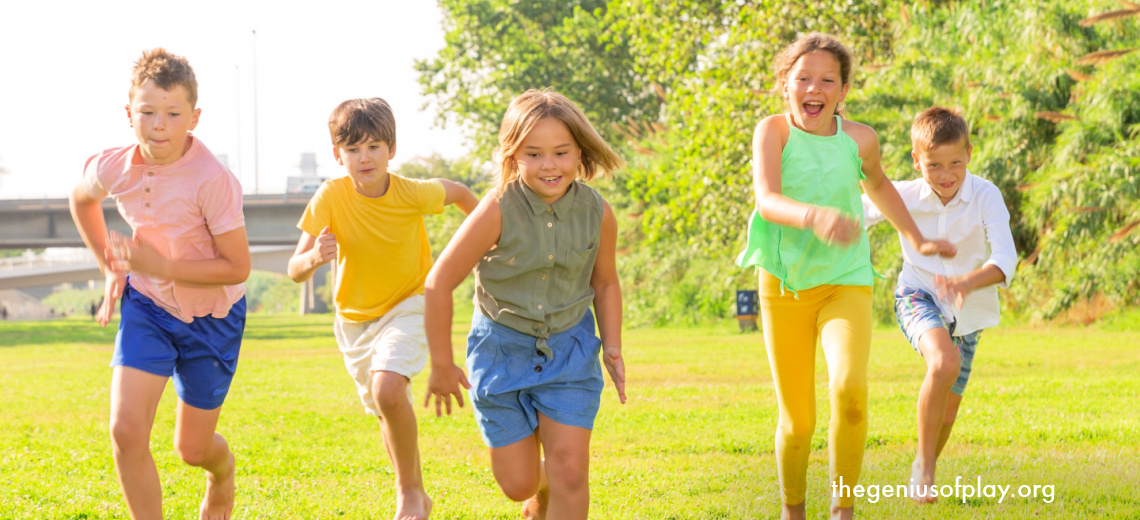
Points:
[270,220]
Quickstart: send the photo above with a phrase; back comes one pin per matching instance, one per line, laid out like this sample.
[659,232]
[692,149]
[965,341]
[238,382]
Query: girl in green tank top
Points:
[807,238]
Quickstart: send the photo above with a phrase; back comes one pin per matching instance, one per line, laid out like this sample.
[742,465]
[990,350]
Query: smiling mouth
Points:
[813,108]
[550,180]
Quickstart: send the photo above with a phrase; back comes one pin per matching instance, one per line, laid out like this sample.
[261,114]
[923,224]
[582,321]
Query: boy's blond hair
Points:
[937,126]
[525,112]
[357,120]
[166,70]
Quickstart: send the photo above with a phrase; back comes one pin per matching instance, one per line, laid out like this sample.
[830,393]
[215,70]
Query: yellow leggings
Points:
[840,316]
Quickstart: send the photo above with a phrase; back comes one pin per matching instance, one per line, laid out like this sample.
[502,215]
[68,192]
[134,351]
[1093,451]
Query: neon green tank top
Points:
[824,171]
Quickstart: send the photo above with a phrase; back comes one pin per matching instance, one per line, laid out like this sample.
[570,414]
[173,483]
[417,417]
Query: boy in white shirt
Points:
[942,304]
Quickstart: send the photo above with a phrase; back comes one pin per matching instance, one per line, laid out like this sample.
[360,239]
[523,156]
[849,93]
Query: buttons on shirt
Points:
[147,204]
[540,306]
[550,257]
[549,224]
[537,369]
[147,190]
[150,174]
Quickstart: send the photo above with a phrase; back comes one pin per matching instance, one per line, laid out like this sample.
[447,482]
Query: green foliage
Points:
[497,49]
[271,293]
[1056,134]
[69,301]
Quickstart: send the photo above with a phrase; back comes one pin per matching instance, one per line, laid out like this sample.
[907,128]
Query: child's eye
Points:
[532,155]
[174,114]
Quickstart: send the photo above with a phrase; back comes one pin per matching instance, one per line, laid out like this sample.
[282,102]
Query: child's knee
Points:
[568,472]
[127,434]
[192,453]
[797,431]
[944,366]
[516,486]
[849,400]
[389,391]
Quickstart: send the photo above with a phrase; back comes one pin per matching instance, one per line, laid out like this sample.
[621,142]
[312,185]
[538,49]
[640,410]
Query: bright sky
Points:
[65,71]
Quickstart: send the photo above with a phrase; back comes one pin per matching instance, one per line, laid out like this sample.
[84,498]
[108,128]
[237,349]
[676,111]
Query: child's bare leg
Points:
[567,451]
[534,508]
[134,400]
[952,404]
[198,444]
[942,366]
[796,512]
[518,469]
[399,429]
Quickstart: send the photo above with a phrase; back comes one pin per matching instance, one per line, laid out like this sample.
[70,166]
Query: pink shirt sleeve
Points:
[221,202]
[92,185]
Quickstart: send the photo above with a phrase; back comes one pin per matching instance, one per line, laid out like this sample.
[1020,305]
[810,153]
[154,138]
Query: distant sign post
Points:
[747,308]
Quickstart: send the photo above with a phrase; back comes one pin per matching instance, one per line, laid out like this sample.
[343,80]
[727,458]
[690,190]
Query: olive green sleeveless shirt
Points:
[824,171]
[537,279]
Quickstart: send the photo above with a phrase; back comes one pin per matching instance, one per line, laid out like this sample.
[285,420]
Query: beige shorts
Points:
[394,342]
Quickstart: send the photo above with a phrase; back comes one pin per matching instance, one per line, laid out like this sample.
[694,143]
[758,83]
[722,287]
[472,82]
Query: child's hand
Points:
[443,383]
[937,247]
[325,247]
[831,226]
[615,365]
[135,254]
[116,282]
[951,289]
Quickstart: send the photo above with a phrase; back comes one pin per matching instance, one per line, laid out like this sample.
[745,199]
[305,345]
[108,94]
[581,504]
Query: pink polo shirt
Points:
[177,208]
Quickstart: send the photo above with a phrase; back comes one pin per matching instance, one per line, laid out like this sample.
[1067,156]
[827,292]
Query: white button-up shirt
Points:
[976,221]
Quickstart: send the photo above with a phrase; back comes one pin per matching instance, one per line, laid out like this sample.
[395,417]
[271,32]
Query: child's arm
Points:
[231,267]
[956,288]
[828,224]
[478,233]
[886,198]
[607,301]
[459,194]
[1000,267]
[311,253]
[87,212]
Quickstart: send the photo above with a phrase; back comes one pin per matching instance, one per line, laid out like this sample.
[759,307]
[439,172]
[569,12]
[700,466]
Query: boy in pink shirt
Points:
[183,305]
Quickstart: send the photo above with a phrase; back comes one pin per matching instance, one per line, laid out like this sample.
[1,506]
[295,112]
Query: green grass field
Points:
[1055,406]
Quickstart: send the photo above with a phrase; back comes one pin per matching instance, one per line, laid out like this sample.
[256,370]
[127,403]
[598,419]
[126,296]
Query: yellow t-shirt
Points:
[383,256]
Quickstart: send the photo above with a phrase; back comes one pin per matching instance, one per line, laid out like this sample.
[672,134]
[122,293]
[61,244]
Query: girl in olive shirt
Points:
[542,246]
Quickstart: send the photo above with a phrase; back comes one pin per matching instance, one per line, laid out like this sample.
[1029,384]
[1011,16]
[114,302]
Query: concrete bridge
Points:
[271,225]
[270,220]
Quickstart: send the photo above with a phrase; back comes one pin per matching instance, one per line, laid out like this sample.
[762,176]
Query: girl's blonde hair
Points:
[533,106]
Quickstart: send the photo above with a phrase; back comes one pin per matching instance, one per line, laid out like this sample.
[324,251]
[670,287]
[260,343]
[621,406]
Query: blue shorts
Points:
[511,381]
[201,356]
[917,312]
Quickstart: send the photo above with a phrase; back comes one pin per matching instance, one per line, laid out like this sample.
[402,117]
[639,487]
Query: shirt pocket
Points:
[576,261]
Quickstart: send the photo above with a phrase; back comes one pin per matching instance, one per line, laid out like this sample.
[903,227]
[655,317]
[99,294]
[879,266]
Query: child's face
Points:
[161,119]
[943,167]
[813,89]
[548,159]
[367,164]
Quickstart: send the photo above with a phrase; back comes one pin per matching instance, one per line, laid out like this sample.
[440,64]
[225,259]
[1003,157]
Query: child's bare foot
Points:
[796,512]
[921,485]
[218,503]
[534,508]
[412,504]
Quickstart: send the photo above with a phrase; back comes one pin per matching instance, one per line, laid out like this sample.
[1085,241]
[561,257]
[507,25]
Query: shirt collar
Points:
[561,207]
[965,193]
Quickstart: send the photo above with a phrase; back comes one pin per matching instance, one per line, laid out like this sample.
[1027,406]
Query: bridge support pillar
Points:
[310,303]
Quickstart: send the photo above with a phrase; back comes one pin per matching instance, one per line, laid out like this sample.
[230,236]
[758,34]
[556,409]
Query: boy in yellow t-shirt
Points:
[372,223]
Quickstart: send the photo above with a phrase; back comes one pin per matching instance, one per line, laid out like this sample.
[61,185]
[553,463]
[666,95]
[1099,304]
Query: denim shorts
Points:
[512,381]
[917,312]
[200,356]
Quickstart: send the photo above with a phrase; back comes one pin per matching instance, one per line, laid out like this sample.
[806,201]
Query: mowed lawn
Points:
[1047,407]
